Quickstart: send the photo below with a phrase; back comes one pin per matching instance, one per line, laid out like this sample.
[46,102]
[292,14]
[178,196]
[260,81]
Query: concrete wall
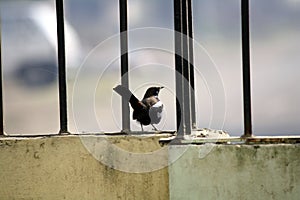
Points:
[62,168]
[236,172]
[58,168]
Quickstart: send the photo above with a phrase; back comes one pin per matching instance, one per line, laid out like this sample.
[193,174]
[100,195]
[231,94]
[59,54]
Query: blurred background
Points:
[92,44]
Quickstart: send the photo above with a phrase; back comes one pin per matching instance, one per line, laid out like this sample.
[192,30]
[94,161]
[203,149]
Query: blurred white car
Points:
[29,42]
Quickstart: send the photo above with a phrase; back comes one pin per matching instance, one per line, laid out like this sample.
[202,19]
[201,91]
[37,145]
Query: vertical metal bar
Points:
[246,68]
[191,63]
[1,89]
[186,70]
[124,62]
[61,67]
[178,67]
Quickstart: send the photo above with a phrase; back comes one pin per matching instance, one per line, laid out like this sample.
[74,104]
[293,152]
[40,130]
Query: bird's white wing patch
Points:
[158,104]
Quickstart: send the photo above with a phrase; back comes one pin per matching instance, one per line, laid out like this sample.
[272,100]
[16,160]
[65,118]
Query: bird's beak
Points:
[161,87]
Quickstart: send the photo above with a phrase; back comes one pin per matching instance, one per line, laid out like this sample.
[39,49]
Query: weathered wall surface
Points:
[236,172]
[62,168]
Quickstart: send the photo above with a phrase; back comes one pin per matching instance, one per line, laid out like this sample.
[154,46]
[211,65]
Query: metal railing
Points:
[184,69]
[61,56]
[124,62]
[246,68]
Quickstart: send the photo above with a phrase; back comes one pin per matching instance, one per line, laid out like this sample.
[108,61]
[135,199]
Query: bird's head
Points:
[152,91]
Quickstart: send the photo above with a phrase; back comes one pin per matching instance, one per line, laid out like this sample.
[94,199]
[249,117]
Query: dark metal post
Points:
[186,69]
[178,67]
[61,67]
[124,62]
[191,63]
[1,90]
[246,68]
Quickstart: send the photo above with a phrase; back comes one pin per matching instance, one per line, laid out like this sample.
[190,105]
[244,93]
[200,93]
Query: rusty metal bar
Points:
[1,89]
[178,67]
[186,69]
[246,68]
[191,63]
[61,67]
[124,62]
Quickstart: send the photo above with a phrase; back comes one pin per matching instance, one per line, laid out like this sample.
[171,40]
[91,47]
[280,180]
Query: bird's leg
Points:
[142,127]
[154,127]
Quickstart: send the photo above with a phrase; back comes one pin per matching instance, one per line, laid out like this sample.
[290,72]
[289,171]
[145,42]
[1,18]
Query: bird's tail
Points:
[125,93]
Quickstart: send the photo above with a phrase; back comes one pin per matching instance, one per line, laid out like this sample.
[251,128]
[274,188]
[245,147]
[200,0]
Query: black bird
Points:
[148,110]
